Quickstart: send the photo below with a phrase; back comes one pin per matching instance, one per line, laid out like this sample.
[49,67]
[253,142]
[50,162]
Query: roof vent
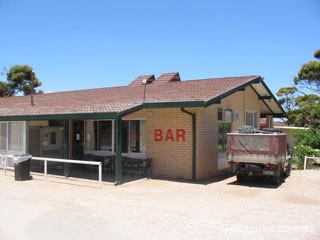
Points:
[144,79]
[168,77]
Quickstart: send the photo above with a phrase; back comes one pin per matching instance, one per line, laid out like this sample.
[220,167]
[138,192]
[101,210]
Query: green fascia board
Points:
[161,105]
[174,104]
[78,116]
[130,110]
[217,100]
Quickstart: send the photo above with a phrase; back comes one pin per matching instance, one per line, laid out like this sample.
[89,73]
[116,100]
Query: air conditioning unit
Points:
[230,116]
[227,115]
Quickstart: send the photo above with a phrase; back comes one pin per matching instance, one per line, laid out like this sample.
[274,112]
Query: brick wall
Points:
[170,159]
[174,159]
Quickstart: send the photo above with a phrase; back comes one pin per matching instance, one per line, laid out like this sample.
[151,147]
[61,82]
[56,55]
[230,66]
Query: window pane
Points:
[105,135]
[251,119]
[89,135]
[16,136]
[219,114]
[3,139]
[143,136]
[134,136]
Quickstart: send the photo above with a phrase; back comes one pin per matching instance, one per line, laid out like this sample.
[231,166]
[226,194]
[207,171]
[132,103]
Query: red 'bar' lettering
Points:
[169,136]
[181,134]
[157,135]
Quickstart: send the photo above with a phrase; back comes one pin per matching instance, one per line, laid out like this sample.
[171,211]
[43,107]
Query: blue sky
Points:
[88,44]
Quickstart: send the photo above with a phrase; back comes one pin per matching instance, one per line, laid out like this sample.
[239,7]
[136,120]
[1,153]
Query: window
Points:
[103,135]
[16,132]
[53,138]
[220,114]
[251,119]
[3,136]
[134,136]
[225,115]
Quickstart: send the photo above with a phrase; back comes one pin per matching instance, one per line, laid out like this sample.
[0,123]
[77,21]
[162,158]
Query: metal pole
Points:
[45,170]
[100,175]
[32,86]
[305,163]
[5,165]
[118,162]
[66,166]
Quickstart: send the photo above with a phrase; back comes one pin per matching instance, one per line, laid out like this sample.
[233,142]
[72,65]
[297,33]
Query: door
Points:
[34,142]
[78,139]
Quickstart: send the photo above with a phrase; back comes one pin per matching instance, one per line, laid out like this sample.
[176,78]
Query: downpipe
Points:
[194,143]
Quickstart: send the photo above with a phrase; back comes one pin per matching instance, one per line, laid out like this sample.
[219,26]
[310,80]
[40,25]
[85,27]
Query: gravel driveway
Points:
[158,209]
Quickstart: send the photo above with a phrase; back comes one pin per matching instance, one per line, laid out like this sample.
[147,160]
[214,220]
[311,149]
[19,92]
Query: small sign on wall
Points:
[169,135]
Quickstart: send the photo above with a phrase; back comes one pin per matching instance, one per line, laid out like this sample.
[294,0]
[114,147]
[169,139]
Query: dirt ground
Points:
[159,209]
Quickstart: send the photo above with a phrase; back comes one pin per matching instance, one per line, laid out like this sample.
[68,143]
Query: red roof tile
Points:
[118,99]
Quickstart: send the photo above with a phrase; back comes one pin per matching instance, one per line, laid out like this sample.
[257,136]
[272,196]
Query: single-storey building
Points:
[180,125]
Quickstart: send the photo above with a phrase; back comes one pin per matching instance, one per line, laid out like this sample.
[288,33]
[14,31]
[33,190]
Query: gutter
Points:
[194,143]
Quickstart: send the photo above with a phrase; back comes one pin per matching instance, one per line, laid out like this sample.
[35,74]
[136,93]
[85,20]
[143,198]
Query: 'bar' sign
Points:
[170,135]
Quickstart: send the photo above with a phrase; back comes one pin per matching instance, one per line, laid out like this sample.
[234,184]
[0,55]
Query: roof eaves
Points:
[161,105]
[217,99]
[73,116]
[284,114]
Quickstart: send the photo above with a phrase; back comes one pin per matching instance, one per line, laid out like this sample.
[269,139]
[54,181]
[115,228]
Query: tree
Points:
[286,95]
[308,77]
[19,81]
[302,103]
[304,114]
[301,99]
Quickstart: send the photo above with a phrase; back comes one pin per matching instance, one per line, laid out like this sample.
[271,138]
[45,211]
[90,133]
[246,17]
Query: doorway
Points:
[78,139]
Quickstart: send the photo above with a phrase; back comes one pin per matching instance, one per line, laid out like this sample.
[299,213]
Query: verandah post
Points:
[66,167]
[118,159]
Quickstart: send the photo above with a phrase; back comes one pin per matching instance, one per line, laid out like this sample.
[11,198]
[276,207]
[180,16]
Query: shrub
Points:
[300,151]
[307,138]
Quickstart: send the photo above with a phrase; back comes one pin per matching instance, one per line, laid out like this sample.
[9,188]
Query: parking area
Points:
[161,209]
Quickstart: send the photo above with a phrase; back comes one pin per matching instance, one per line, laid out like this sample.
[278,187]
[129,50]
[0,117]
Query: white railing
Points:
[3,161]
[305,161]
[4,164]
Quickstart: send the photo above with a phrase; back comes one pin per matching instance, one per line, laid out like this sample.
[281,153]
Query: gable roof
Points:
[120,100]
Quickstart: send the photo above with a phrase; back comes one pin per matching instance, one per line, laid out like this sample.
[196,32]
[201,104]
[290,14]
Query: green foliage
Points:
[286,95]
[300,151]
[303,109]
[308,138]
[317,54]
[5,89]
[19,81]
[309,75]
[309,71]
[304,112]
[301,101]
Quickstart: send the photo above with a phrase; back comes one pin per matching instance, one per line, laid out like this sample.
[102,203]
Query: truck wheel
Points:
[240,178]
[288,170]
[276,177]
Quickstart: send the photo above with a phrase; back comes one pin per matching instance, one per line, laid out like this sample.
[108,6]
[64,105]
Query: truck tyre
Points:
[276,177]
[240,178]
[288,170]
